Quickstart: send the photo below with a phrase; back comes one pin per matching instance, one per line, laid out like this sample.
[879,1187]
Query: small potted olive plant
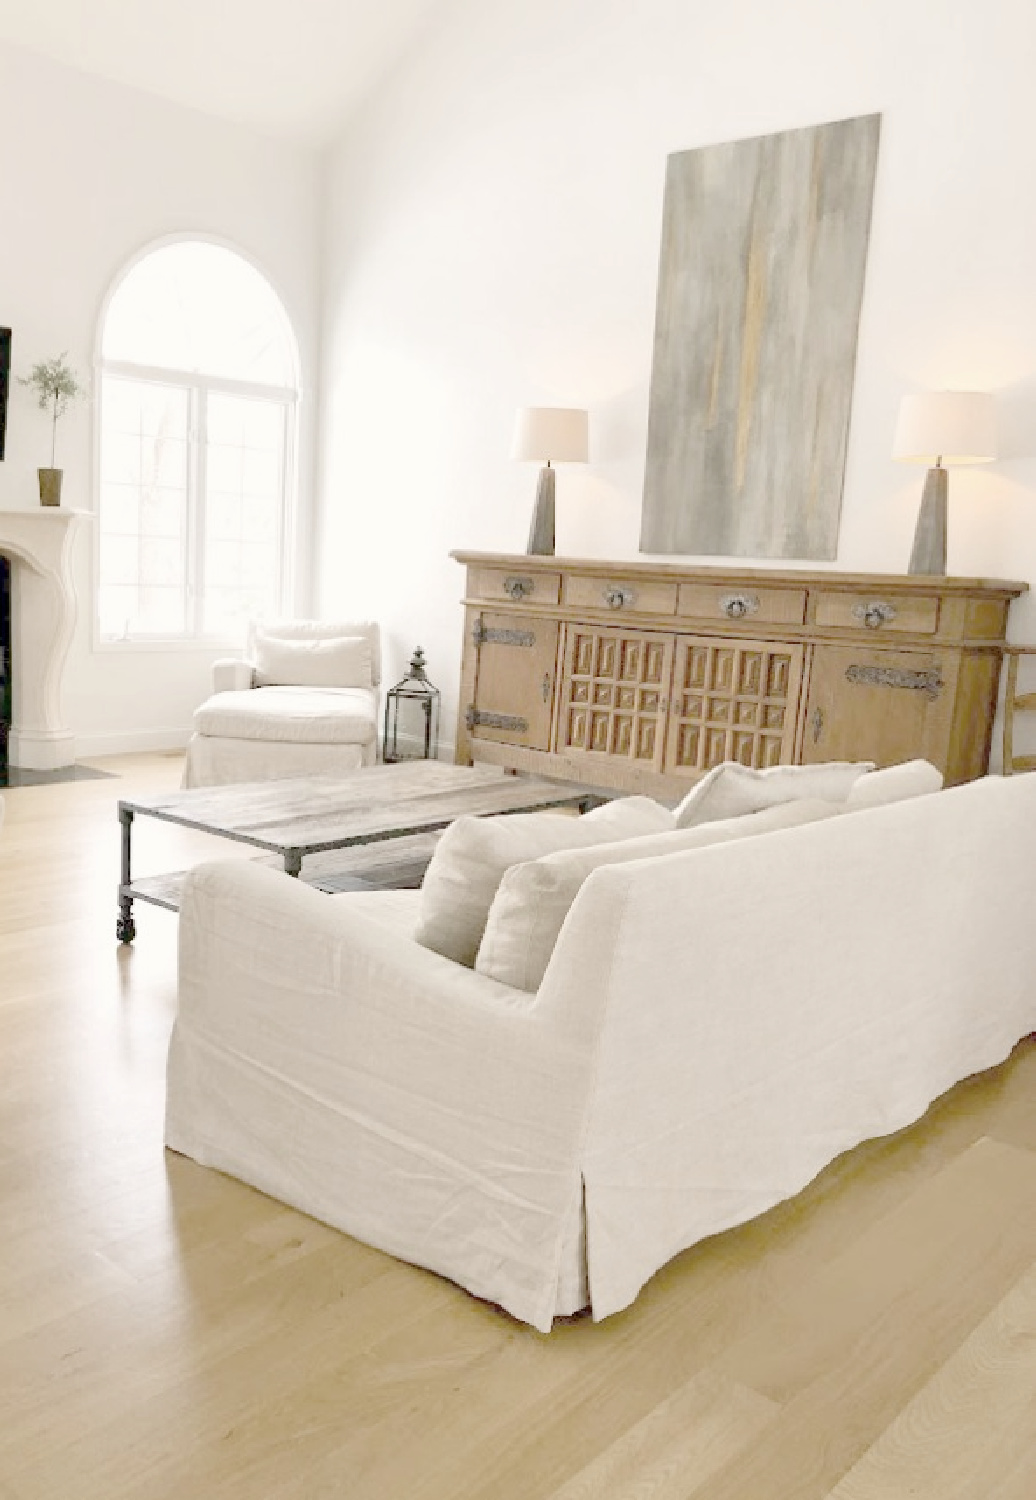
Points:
[55,386]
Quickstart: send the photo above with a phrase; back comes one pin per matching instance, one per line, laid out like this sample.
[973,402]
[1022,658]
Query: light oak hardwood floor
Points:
[166,1332]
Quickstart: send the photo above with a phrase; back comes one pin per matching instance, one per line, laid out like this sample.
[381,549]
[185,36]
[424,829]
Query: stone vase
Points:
[50,486]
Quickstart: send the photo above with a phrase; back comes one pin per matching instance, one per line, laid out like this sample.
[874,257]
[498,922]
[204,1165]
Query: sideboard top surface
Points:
[828,579]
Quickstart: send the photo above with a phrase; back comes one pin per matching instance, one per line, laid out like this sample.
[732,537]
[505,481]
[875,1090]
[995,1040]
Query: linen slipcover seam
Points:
[590,1095]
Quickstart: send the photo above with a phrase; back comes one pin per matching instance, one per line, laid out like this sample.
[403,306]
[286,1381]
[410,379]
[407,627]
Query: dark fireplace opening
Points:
[5,664]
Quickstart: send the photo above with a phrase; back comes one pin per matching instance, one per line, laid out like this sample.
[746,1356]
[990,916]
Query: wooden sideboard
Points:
[644,675]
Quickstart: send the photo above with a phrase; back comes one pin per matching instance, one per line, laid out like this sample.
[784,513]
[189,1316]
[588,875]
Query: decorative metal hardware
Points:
[617,597]
[545,687]
[477,717]
[484,635]
[737,606]
[817,722]
[929,682]
[875,613]
[519,588]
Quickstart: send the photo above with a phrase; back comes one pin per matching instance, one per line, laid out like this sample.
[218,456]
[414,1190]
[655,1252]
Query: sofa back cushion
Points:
[534,898]
[319,630]
[730,790]
[911,778]
[473,854]
[334,662]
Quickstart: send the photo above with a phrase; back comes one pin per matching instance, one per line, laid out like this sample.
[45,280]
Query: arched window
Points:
[199,396]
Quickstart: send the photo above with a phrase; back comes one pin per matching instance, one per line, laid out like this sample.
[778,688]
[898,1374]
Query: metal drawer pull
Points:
[875,613]
[617,597]
[519,588]
[736,606]
[475,718]
[896,677]
[484,635]
[546,687]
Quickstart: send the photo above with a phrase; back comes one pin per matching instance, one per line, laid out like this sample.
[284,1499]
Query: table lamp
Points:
[549,435]
[939,428]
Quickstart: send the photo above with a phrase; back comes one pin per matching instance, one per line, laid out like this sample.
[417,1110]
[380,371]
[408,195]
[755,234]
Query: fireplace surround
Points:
[38,545]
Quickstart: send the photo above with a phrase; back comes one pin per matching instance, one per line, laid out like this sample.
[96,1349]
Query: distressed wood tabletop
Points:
[311,813]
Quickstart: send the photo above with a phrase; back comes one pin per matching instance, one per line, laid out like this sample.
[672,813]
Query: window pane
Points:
[143,512]
[244,468]
[200,308]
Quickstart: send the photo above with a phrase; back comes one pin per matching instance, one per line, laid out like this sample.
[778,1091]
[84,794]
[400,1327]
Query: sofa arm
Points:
[329,1060]
[231,673]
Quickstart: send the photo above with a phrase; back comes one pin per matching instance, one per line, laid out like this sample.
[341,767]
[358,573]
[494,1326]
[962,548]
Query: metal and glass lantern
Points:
[412,716]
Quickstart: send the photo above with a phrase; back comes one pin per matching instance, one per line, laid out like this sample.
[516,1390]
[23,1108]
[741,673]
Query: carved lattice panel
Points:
[616,686]
[732,700]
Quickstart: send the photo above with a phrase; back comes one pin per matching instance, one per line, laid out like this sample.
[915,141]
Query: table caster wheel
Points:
[125,929]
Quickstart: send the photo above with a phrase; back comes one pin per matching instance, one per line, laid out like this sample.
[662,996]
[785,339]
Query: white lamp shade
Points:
[949,427]
[550,434]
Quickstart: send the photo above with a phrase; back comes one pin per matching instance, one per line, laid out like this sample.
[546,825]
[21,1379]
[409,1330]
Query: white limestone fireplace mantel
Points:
[43,615]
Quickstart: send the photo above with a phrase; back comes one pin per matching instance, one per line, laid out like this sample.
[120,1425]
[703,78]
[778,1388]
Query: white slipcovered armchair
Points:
[303,701]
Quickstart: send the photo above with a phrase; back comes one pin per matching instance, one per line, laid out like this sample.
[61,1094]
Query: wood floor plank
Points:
[166,1402]
[971,1430]
[923,1262]
[677,1446]
[854,1347]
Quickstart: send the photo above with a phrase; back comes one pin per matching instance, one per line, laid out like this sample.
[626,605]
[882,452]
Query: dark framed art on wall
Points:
[5,376]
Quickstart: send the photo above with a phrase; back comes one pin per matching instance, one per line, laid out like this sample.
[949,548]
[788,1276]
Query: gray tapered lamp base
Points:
[541,532]
[929,554]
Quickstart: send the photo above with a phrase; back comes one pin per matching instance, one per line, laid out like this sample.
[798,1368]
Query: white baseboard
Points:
[130,740]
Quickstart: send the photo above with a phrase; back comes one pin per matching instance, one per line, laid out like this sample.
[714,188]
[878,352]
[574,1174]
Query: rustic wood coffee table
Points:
[307,817]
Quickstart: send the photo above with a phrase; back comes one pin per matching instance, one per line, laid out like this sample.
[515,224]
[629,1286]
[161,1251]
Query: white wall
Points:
[492,241]
[91,171]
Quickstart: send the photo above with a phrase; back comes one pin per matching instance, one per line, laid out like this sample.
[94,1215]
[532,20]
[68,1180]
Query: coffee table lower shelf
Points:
[389,864]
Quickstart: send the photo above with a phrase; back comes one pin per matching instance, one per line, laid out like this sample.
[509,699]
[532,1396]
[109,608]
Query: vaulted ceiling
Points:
[290,68]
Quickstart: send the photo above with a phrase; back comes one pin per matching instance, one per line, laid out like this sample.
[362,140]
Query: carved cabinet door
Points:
[515,665]
[885,706]
[732,700]
[614,695]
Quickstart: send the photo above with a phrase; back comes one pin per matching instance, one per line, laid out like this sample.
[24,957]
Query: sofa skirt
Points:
[215,761]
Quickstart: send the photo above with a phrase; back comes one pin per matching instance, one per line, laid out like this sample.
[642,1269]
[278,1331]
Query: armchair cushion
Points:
[534,898]
[473,853]
[730,789]
[334,662]
[294,715]
[319,630]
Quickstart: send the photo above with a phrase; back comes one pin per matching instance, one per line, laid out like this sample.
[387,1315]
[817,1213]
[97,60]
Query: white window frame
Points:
[198,388]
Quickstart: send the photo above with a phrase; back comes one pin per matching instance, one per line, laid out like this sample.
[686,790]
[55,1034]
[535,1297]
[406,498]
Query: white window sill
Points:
[209,644]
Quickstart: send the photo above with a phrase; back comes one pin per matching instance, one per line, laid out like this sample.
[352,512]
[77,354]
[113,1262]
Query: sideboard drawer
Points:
[620,595]
[912,614]
[515,585]
[708,601]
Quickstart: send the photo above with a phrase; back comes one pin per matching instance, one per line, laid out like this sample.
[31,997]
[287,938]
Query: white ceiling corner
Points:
[289,68]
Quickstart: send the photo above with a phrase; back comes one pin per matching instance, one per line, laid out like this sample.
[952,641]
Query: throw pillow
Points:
[730,789]
[912,778]
[534,899]
[339,661]
[473,854]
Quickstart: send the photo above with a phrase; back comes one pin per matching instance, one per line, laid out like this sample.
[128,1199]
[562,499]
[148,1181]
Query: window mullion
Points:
[194,551]
[285,539]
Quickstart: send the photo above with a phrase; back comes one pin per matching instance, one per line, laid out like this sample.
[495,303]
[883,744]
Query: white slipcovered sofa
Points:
[303,701]
[713,1025]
